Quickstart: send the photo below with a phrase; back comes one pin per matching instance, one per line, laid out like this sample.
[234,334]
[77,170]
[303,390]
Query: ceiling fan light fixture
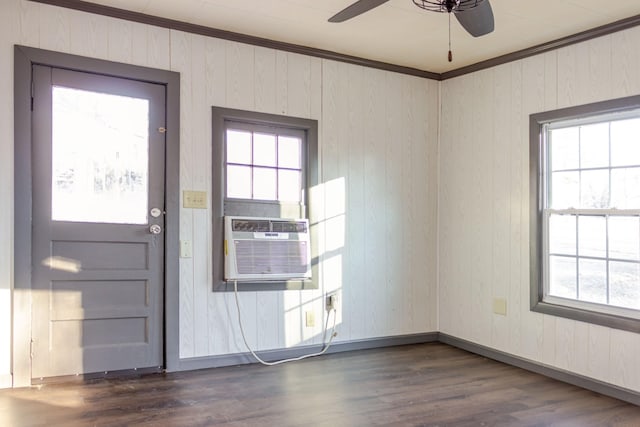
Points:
[447,5]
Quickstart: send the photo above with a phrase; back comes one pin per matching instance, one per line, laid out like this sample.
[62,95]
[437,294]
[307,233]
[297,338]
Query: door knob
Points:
[155,229]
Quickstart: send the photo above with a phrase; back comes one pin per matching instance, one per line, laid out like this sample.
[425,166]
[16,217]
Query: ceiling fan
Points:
[475,16]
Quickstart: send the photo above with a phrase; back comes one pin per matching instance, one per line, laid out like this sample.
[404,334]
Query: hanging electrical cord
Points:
[278,362]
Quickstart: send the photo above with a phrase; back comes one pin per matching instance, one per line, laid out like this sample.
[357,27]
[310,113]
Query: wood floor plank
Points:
[417,385]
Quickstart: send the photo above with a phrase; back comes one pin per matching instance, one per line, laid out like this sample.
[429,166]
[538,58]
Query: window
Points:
[100,169]
[586,213]
[264,165]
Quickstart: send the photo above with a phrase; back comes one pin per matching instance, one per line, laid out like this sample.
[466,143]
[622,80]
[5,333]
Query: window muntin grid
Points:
[263,166]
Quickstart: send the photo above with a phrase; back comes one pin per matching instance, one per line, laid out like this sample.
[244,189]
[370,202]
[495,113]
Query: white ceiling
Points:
[397,32]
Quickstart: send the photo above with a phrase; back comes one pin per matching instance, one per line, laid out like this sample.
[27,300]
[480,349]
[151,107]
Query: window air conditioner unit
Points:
[266,249]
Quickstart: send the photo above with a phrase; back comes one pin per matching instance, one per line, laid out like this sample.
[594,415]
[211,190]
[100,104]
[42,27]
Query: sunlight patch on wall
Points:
[328,226]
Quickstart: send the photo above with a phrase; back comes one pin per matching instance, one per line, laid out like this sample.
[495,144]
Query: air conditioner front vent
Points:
[271,257]
[267,249]
[250,225]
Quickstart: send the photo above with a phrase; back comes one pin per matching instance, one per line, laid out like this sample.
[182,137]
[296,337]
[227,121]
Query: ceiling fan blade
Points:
[355,9]
[478,21]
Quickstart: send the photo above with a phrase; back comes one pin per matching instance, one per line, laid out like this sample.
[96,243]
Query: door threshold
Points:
[107,375]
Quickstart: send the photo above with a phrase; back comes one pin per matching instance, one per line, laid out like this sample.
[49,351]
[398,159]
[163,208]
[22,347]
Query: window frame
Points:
[613,317]
[221,205]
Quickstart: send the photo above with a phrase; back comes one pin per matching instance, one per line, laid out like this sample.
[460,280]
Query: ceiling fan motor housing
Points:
[447,5]
[450,4]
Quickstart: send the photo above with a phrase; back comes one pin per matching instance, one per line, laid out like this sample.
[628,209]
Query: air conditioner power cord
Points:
[325,347]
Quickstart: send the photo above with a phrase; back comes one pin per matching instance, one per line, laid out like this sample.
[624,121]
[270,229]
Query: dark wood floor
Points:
[420,385]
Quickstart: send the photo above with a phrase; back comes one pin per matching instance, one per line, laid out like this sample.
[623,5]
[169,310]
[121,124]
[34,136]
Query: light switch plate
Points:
[185,249]
[194,199]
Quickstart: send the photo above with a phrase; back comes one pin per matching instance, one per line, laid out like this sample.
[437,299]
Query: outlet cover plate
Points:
[310,318]
[185,249]
[500,306]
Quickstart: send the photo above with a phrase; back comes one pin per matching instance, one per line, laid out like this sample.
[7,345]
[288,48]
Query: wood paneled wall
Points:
[484,205]
[375,209]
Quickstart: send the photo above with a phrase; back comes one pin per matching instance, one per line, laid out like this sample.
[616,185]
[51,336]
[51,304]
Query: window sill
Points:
[289,285]
[588,316]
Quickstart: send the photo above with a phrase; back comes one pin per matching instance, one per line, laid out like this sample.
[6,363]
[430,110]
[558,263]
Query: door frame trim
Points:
[24,58]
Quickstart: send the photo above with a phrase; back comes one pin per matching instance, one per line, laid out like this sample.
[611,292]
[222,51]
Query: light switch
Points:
[194,199]
[185,249]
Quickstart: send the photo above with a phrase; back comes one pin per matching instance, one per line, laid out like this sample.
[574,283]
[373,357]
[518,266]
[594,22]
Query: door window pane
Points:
[100,157]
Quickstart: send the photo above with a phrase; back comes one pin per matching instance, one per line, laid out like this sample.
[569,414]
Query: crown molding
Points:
[583,36]
[187,27]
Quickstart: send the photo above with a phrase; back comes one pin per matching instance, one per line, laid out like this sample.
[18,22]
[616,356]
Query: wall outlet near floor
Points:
[500,306]
[310,319]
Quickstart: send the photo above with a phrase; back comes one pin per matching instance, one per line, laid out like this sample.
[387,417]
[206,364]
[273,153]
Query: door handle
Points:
[155,229]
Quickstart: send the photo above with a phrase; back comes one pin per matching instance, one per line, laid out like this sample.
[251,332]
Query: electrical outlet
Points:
[500,306]
[331,301]
[310,318]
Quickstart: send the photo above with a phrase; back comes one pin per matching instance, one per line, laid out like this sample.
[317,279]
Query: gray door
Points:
[98,223]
